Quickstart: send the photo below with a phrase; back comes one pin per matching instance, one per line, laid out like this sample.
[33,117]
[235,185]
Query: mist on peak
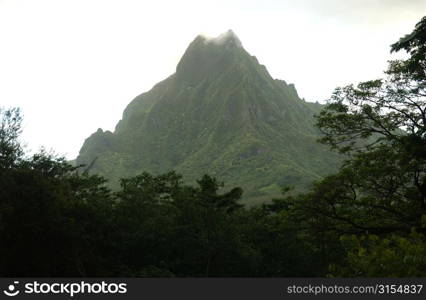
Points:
[206,56]
[224,38]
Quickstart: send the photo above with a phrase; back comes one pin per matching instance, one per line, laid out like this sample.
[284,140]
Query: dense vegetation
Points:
[221,113]
[368,219]
[55,221]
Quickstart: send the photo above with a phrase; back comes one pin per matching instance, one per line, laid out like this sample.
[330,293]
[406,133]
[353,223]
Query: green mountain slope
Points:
[221,113]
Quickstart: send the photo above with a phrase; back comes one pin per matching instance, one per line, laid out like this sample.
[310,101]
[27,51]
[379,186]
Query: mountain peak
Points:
[221,113]
[208,56]
[228,37]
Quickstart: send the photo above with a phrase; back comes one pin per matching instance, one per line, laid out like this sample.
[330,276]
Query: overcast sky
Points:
[73,66]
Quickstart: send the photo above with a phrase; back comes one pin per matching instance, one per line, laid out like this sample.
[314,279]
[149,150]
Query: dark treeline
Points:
[57,222]
[368,219]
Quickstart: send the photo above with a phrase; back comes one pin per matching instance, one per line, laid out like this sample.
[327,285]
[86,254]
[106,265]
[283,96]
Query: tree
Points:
[53,220]
[390,110]
[209,187]
[389,256]
[376,203]
[10,129]
[146,218]
[415,44]
[381,124]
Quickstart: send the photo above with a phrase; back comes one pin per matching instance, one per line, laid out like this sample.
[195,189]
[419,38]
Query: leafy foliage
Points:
[10,128]
[391,256]
[376,202]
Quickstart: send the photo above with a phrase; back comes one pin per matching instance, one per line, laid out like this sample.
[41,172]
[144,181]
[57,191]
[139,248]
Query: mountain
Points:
[220,113]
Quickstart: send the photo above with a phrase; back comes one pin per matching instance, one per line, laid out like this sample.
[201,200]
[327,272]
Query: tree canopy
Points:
[376,202]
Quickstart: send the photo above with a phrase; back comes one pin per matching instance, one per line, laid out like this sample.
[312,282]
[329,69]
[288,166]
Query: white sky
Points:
[73,66]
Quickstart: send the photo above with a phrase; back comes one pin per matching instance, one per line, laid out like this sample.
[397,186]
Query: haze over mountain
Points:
[220,113]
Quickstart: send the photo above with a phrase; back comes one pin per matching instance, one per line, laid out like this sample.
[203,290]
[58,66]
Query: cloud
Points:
[223,38]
